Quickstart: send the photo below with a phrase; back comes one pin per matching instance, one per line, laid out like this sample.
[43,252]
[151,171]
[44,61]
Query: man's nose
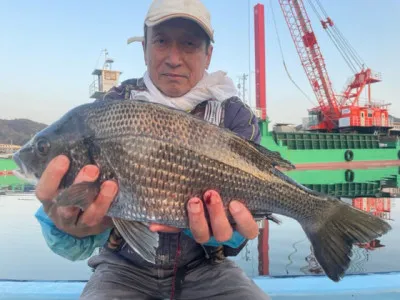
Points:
[174,58]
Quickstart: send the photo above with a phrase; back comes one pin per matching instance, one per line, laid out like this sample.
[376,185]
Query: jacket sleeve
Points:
[240,119]
[65,245]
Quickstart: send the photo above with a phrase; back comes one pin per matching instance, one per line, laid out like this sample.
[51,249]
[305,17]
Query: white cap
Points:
[163,10]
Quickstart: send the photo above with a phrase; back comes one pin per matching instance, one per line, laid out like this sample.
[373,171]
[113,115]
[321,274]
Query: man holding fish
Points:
[189,264]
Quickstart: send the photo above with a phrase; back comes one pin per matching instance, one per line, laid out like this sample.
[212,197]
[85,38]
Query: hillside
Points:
[397,120]
[18,131]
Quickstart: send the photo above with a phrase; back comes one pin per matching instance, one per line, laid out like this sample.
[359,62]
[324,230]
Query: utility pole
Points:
[239,86]
[242,87]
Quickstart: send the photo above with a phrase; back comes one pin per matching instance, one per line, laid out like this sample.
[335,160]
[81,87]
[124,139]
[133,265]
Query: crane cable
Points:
[340,39]
[284,63]
[357,57]
[349,54]
[283,57]
[337,44]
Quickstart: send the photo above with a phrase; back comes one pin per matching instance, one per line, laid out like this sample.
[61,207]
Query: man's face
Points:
[176,56]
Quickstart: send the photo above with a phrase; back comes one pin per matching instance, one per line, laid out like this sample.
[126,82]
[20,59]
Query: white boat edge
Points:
[369,286]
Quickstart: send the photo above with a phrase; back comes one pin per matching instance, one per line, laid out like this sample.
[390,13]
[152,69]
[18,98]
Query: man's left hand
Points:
[221,228]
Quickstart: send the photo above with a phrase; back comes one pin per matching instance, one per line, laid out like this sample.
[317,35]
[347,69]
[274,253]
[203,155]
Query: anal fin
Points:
[139,237]
[274,219]
[268,216]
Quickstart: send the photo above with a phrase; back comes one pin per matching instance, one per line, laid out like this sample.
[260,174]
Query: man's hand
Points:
[222,230]
[70,219]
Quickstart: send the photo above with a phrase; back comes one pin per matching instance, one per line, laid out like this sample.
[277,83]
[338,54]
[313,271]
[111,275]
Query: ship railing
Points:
[94,87]
[342,99]
[9,148]
[356,121]
[395,127]
[376,75]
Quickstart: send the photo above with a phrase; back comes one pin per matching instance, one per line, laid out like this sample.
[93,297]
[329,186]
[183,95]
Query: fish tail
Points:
[334,229]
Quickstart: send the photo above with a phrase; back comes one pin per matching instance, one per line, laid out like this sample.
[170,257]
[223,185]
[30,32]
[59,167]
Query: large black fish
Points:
[162,157]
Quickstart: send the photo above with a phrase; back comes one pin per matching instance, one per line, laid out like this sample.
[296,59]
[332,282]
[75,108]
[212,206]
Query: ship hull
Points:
[331,150]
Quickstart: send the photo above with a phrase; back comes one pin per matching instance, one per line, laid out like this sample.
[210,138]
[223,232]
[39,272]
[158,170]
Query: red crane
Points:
[334,113]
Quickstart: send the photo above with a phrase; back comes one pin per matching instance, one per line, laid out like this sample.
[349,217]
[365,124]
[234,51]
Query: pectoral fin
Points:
[80,195]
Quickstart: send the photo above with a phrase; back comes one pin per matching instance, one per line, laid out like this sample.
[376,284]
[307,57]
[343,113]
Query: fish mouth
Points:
[23,172]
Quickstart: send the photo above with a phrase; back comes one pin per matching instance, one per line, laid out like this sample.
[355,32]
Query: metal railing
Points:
[357,121]
[94,87]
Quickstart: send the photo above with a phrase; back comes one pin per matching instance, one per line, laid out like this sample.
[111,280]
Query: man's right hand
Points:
[70,219]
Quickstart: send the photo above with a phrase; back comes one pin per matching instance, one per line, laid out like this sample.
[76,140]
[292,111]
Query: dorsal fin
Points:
[274,156]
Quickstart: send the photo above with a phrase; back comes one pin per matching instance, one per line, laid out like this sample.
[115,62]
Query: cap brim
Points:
[135,39]
[151,23]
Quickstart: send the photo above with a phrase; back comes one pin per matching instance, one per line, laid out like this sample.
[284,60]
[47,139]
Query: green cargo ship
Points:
[7,164]
[377,182]
[315,150]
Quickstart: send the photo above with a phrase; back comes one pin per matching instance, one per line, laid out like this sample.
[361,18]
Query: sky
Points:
[49,48]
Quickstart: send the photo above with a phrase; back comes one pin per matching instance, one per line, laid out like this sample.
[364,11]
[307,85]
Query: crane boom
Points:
[312,60]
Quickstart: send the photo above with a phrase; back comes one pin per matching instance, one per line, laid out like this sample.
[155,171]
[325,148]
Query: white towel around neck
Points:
[214,85]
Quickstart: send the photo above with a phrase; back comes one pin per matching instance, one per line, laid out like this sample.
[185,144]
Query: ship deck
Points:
[348,165]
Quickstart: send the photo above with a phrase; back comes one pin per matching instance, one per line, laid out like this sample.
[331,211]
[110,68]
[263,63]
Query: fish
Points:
[161,157]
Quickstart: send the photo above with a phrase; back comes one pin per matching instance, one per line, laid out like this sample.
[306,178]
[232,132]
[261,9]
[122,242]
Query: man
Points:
[189,264]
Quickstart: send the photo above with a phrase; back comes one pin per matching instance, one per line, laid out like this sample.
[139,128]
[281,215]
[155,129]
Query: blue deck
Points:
[383,285]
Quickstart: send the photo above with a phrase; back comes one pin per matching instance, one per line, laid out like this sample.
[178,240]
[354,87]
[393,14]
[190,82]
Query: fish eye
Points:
[42,146]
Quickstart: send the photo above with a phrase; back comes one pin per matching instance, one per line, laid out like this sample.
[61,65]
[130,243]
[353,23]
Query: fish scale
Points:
[162,157]
[147,157]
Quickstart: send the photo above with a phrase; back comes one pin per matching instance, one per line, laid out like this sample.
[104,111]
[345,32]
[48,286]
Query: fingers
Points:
[222,229]
[245,223]
[197,221]
[47,187]
[87,173]
[163,228]
[220,226]
[93,220]
[96,211]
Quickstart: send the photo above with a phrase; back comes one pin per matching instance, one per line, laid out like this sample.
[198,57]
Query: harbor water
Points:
[25,255]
